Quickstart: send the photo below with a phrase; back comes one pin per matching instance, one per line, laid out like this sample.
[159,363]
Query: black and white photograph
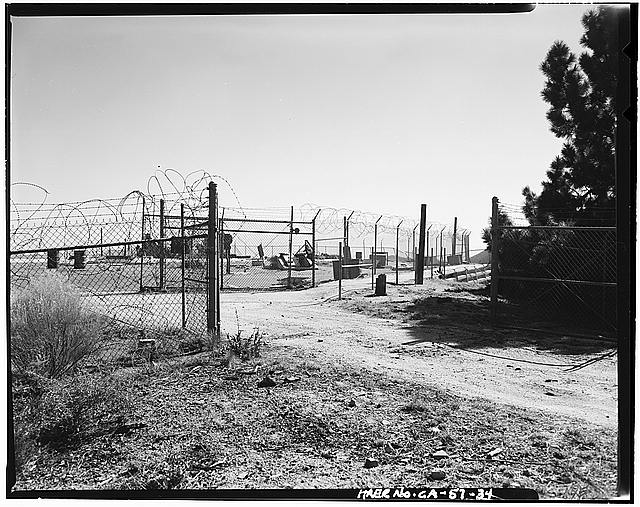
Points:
[361,252]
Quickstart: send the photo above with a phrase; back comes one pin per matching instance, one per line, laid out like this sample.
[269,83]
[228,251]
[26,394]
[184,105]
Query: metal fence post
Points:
[313,252]
[340,271]
[408,247]
[494,260]
[372,273]
[222,249]
[397,253]
[141,248]
[345,233]
[182,254]
[440,254]
[432,263]
[428,233]
[455,236]
[413,248]
[346,237]
[161,243]
[212,262]
[218,268]
[375,249]
[290,248]
[444,265]
[419,275]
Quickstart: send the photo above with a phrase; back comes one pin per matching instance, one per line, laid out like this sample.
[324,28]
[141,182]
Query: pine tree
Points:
[580,185]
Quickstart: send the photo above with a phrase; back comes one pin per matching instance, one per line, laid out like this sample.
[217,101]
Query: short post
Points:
[340,271]
[397,252]
[52,258]
[161,243]
[494,259]
[182,255]
[419,275]
[141,247]
[290,248]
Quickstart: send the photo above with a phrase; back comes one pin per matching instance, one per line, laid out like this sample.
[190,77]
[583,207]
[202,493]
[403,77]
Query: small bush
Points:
[244,348]
[77,408]
[52,330]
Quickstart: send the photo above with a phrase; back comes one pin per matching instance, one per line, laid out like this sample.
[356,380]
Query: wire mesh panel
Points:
[151,290]
[556,277]
[265,254]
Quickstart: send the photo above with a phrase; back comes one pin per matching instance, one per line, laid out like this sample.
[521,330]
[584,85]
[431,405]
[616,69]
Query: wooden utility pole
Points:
[420,261]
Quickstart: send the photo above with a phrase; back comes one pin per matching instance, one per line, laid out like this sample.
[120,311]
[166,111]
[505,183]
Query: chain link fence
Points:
[140,268]
[560,278]
[260,253]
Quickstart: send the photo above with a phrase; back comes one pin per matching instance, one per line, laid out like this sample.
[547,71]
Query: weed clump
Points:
[247,348]
[52,329]
[244,348]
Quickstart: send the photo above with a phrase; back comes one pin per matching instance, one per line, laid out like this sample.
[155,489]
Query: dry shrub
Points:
[52,329]
[75,409]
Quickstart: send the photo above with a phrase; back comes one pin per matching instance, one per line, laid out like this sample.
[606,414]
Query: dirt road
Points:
[510,367]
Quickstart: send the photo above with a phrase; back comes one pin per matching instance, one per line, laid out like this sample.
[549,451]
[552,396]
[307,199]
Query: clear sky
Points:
[375,113]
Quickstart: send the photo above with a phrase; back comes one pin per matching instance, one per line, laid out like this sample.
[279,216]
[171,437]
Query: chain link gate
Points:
[261,255]
[155,289]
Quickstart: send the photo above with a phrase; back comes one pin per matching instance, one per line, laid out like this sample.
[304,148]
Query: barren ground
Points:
[393,378]
[418,333]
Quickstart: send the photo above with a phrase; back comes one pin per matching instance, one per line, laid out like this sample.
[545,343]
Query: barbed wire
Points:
[40,224]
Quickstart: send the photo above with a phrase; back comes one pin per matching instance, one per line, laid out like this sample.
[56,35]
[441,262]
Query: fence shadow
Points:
[464,321]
